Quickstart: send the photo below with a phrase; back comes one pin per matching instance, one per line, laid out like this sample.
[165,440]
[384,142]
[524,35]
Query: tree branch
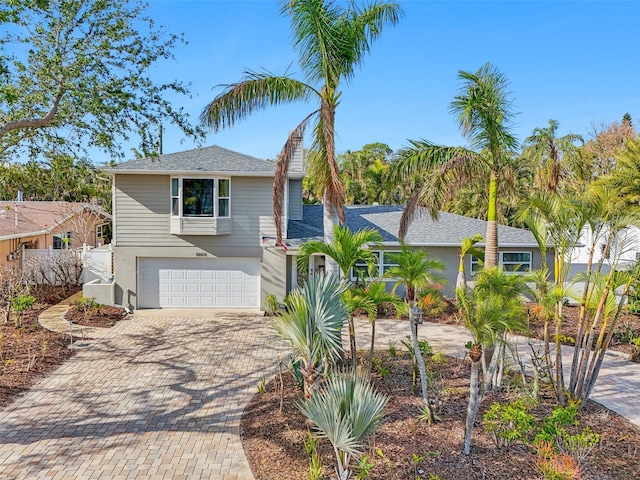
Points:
[35,122]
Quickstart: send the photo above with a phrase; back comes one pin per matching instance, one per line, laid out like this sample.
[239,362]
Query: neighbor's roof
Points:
[35,218]
[449,230]
[207,160]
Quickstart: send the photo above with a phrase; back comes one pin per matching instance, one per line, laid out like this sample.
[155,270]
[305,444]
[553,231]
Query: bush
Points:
[508,424]
[431,301]
[633,300]
[270,304]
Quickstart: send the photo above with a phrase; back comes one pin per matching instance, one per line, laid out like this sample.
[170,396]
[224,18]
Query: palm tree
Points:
[493,307]
[331,42]
[483,110]
[550,154]
[369,299]
[468,247]
[313,325]
[415,269]
[345,249]
[345,410]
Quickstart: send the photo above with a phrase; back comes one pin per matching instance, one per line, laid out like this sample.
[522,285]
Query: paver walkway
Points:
[160,397]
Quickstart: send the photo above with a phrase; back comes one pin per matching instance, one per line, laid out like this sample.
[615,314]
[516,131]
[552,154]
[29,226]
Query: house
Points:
[27,226]
[190,229]
[518,250]
[196,229]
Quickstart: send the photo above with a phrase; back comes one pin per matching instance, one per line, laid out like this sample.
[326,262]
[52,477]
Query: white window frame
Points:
[216,198]
[475,267]
[62,236]
[382,266]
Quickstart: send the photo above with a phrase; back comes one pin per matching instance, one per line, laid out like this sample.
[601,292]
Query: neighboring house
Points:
[196,229]
[518,250]
[190,230]
[49,225]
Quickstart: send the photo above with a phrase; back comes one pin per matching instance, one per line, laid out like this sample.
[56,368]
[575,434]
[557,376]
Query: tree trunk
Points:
[352,343]
[373,337]
[472,408]
[421,368]
[491,237]
[329,222]
[461,280]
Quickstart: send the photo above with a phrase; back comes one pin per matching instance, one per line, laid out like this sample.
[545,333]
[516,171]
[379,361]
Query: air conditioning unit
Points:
[10,257]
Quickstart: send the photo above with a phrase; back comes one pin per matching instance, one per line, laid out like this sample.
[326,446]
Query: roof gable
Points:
[207,160]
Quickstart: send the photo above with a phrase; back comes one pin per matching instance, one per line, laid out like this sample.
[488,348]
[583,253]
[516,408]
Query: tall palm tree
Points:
[468,247]
[313,326]
[483,110]
[415,269]
[331,42]
[345,249]
[550,154]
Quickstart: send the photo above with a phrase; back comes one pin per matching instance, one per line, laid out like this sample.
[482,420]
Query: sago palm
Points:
[345,249]
[331,42]
[484,113]
[345,410]
[313,326]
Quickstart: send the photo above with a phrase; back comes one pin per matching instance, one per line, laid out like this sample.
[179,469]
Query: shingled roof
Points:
[37,217]
[207,160]
[449,230]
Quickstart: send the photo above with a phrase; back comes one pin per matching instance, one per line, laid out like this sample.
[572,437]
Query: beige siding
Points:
[142,213]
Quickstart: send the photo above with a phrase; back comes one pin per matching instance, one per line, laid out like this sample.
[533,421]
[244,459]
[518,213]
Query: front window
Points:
[200,197]
[61,240]
[384,262]
[511,262]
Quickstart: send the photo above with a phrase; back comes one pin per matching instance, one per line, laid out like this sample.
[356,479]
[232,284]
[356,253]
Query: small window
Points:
[361,270]
[476,265]
[175,196]
[388,261]
[61,240]
[223,197]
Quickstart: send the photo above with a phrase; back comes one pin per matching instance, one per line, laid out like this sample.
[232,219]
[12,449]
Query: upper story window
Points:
[200,197]
[511,262]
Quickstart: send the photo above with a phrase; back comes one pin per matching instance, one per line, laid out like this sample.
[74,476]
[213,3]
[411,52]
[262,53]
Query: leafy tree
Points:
[331,42]
[483,110]
[346,249]
[74,76]
[551,155]
[415,269]
[313,325]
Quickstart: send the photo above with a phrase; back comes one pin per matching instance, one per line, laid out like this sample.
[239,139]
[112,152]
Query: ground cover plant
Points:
[406,447]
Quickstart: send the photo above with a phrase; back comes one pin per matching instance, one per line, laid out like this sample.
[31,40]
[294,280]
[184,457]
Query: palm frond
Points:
[256,91]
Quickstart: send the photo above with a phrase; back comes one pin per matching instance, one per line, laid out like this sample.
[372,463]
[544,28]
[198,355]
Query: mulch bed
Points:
[30,352]
[270,434]
[105,316]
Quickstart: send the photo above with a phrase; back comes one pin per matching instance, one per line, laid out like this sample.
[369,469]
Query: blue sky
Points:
[576,62]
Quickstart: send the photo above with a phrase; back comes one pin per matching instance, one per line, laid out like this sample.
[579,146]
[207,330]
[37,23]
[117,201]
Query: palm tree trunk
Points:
[373,336]
[329,223]
[421,368]
[461,280]
[491,237]
[472,408]
[352,343]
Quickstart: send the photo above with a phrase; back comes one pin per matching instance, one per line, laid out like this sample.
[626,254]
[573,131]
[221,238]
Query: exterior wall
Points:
[273,274]
[142,214]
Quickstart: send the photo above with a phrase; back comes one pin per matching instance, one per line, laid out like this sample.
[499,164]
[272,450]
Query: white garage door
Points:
[198,283]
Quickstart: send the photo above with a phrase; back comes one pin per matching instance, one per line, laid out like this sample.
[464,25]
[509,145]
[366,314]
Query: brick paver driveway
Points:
[159,398]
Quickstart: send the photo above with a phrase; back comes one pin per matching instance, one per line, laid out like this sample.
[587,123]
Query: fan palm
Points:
[483,110]
[345,249]
[313,326]
[345,410]
[331,42]
[415,269]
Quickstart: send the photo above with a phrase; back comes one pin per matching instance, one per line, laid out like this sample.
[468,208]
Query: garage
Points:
[198,283]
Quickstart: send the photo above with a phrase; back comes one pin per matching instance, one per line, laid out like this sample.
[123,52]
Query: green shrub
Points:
[21,304]
[431,301]
[633,300]
[508,424]
[271,305]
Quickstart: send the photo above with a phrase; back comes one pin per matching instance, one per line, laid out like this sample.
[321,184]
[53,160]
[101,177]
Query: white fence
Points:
[96,262]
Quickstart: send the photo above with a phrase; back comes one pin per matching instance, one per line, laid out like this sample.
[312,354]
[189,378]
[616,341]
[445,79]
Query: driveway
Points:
[159,398]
